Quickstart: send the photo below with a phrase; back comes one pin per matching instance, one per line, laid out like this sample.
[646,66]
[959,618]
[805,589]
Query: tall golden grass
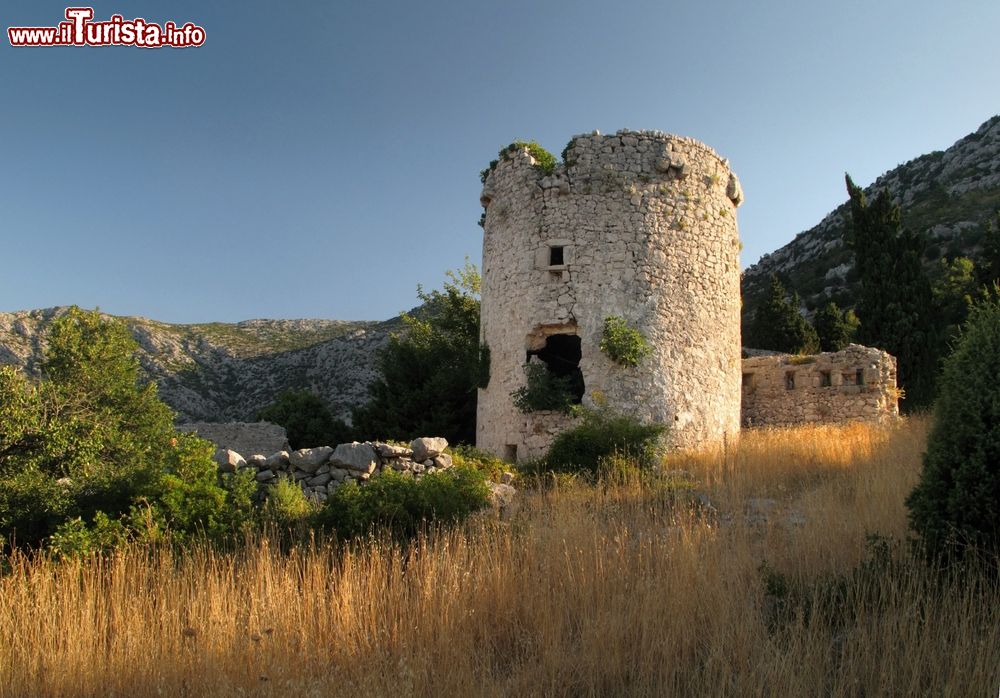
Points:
[617,589]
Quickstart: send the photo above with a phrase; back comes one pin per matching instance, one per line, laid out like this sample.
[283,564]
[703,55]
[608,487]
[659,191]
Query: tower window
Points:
[556,256]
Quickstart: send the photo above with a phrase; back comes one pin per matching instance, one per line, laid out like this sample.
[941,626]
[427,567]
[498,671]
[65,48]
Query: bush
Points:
[544,391]
[956,504]
[483,461]
[88,445]
[603,435]
[545,162]
[307,420]
[400,504]
[286,505]
[623,344]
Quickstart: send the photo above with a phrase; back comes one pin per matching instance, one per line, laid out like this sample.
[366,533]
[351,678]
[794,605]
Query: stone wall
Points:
[858,383]
[321,470]
[640,225]
[242,437]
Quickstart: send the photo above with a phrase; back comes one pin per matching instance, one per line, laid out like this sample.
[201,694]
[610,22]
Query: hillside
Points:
[227,372]
[947,195]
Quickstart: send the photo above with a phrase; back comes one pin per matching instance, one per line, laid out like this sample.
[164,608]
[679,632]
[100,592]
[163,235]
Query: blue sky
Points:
[319,159]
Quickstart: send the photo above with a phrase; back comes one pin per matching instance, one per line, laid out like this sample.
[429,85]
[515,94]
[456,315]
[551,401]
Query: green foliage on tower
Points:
[430,372]
[777,324]
[955,504]
[835,328]
[896,306]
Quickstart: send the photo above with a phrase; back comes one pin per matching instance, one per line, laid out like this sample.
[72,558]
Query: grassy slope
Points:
[608,590]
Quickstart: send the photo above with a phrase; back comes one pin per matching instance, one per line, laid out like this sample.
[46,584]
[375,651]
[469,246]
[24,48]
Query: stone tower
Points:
[639,225]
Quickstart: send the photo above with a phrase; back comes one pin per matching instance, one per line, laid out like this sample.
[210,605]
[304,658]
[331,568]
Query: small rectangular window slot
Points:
[556,256]
[748,381]
[859,377]
[510,453]
[790,380]
[825,379]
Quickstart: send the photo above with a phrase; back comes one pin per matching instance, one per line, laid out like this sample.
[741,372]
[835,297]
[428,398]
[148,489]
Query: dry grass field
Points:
[630,587]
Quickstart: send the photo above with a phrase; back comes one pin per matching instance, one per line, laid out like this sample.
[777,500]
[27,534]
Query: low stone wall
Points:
[242,437]
[858,383]
[320,471]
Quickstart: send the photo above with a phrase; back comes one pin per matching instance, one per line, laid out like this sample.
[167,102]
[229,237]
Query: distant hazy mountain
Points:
[947,195]
[226,372]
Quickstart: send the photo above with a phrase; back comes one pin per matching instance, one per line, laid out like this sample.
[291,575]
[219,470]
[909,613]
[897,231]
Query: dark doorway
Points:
[561,355]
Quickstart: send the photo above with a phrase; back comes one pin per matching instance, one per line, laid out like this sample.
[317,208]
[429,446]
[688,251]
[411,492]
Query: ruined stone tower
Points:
[640,225]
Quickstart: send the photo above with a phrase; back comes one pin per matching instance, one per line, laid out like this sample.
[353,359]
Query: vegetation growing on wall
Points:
[544,391]
[545,162]
[623,344]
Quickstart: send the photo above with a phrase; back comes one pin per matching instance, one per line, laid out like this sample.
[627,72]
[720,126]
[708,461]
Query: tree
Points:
[989,266]
[430,372]
[896,306]
[953,289]
[777,324]
[835,327]
[955,504]
[307,420]
[89,439]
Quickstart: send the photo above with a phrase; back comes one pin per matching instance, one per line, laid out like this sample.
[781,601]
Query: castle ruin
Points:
[638,225]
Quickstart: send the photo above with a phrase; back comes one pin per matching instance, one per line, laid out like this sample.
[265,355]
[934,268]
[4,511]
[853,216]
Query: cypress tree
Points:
[896,305]
[777,324]
[835,327]
[955,504]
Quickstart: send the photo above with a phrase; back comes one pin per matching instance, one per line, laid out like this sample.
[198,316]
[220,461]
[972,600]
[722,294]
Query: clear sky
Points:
[320,159]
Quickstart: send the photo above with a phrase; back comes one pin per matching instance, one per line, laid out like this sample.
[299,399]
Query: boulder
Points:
[265,475]
[442,460]
[257,460]
[309,459]
[390,451]
[320,479]
[427,447]
[355,456]
[502,498]
[229,460]
[276,460]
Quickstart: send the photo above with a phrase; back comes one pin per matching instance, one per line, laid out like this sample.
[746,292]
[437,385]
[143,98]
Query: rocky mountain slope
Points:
[227,372]
[947,195]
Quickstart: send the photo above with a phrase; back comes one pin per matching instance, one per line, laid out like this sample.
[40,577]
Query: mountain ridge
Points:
[228,371]
[946,195]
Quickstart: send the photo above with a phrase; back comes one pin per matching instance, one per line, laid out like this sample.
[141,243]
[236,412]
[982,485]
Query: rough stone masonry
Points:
[639,225]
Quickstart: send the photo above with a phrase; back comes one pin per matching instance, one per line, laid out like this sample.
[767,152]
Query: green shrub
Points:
[545,162]
[286,505]
[483,461]
[544,391]
[600,436]
[399,504]
[307,420]
[623,344]
[89,444]
[74,538]
[956,504]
